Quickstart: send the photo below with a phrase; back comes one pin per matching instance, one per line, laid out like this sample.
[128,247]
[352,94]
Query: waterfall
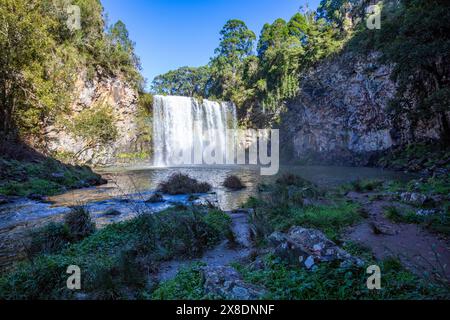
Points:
[181,124]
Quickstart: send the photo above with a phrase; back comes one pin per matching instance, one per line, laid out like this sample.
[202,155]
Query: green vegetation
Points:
[329,280]
[134,156]
[44,177]
[118,259]
[332,282]
[359,185]
[417,157]
[415,39]
[42,56]
[145,123]
[54,237]
[262,83]
[393,213]
[437,221]
[185,81]
[330,219]
[439,185]
[96,126]
[290,202]
[187,285]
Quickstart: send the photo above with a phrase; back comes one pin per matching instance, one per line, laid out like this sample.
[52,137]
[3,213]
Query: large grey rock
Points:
[414,198]
[225,282]
[88,94]
[309,247]
[341,112]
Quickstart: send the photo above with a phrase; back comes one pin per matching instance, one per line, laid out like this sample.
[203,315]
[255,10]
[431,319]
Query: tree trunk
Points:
[445,134]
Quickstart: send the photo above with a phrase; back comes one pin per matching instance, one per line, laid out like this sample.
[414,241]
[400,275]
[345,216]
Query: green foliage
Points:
[79,223]
[332,282]
[55,237]
[366,185]
[50,239]
[185,81]
[414,38]
[118,257]
[282,206]
[144,121]
[259,85]
[187,285]
[437,222]
[134,156]
[417,157]
[439,185]
[402,215]
[41,58]
[236,41]
[337,12]
[329,219]
[95,125]
[45,177]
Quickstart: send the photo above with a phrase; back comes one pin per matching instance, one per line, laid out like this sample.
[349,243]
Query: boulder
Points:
[227,283]
[426,213]
[156,198]
[381,228]
[309,247]
[112,213]
[4,200]
[414,198]
[193,198]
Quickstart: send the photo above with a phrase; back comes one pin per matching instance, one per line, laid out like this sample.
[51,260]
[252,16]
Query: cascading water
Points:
[181,124]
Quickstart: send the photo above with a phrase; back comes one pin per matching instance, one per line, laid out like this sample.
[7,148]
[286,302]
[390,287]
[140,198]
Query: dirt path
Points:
[421,251]
[221,255]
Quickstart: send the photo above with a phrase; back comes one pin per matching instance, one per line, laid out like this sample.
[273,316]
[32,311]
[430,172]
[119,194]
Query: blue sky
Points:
[175,33]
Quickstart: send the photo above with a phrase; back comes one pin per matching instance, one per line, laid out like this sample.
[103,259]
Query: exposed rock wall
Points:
[341,113]
[122,98]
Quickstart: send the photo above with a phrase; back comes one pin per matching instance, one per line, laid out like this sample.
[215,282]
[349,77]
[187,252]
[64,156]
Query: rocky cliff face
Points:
[341,113]
[123,99]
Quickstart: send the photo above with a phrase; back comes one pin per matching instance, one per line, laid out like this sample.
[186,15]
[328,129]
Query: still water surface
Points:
[129,187]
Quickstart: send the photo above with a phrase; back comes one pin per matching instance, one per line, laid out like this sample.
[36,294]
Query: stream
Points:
[128,188]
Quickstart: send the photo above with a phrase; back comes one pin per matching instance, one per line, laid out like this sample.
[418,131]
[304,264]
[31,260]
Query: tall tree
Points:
[185,81]
[236,45]
[236,41]
[417,40]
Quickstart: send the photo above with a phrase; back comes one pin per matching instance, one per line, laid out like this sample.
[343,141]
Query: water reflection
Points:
[138,182]
[128,188]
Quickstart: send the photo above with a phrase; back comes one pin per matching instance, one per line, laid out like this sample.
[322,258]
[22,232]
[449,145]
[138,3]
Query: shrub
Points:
[365,185]
[233,182]
[289,179]
[332,282]
[392,213]
[179,183]
[155,198]
[46,177]
[220,223]
[187,285]
[121,279]
[49,239]
[118,257]
[79,223]
[95,126]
